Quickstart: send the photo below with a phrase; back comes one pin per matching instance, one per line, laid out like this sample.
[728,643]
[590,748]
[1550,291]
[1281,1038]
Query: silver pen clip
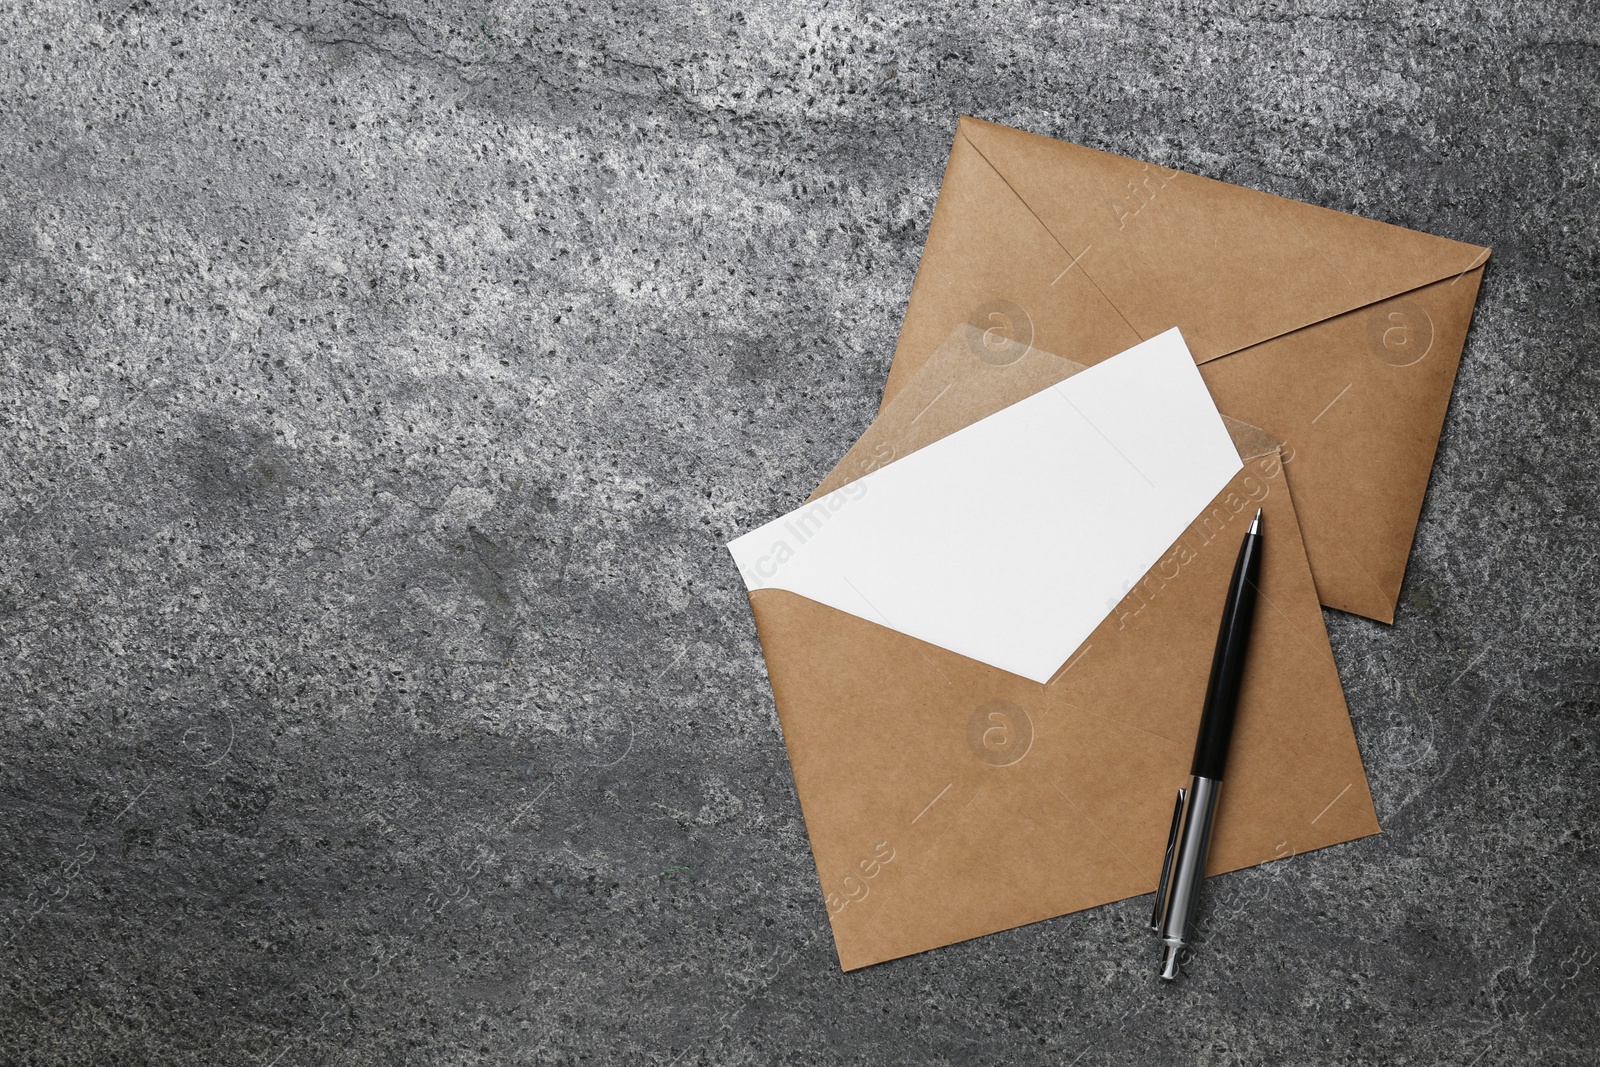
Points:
[1166,864]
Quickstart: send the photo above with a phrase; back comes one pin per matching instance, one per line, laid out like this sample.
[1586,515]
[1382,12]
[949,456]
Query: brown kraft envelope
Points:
[1338,335]
[946,799]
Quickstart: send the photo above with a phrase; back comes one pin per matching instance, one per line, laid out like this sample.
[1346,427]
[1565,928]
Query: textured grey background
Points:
[381,380]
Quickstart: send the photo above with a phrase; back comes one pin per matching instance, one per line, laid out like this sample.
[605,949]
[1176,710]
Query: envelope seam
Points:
[1103,835]
[1287,217]
[1326,654]
[1126,725]
[1339,315]
[1045,226]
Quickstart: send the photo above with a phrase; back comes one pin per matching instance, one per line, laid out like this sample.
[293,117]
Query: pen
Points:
[1184,866]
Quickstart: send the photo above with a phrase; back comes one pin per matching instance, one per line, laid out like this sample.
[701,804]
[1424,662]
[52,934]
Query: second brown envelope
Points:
[1337,334]
[946,799]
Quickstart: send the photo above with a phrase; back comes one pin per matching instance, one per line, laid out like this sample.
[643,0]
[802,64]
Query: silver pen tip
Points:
[1169,962]
[1255,524]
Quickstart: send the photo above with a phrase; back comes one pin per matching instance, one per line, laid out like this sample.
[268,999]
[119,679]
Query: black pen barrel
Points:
[1227,666]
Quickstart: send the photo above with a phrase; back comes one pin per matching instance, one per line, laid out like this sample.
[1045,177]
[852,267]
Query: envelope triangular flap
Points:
[1232,266]
[1011,269]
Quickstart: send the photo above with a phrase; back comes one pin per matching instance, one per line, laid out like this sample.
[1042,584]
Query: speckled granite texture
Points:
[380,381]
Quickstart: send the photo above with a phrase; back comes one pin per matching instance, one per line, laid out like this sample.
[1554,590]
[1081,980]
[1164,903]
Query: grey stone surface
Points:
[380,381]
